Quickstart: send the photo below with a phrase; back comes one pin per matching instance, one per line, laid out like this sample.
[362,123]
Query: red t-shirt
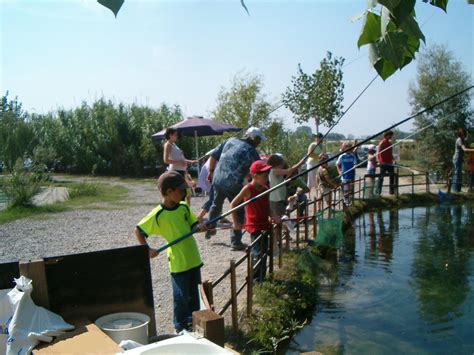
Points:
[257,212]
[386,157]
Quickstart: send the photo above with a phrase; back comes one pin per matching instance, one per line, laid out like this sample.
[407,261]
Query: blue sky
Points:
[60,53]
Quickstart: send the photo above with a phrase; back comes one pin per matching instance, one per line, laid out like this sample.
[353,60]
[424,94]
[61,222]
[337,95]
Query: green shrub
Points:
[23,184]
[84,189]
[284,304]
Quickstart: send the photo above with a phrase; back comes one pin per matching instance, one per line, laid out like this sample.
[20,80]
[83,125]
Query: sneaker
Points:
[238,246]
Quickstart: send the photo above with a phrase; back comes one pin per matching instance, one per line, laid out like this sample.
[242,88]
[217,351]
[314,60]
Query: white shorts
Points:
[311,178]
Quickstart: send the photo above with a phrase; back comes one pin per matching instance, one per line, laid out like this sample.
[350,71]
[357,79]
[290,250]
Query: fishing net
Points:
[330,228]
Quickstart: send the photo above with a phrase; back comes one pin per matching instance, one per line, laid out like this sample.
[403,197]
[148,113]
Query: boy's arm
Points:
[142,240]
[244,193]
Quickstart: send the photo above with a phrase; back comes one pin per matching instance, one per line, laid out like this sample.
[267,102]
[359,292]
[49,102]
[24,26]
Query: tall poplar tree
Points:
[439,75]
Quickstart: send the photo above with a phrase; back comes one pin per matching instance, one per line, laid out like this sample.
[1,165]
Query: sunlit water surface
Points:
[403,284]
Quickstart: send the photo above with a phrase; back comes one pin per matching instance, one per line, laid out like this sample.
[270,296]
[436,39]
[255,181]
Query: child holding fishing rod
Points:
[346,168]
[171,219]
[257,214]
[324,182]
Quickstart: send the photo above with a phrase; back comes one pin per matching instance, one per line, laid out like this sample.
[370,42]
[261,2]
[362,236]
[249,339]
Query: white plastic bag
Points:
[30,323]
[6,315]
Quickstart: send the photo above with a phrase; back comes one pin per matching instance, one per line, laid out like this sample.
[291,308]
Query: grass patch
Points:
[86,194]
[15,213]
[282,305]
[81,195]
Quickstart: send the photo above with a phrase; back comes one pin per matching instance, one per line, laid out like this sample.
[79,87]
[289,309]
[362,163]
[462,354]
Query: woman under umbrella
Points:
[174,156]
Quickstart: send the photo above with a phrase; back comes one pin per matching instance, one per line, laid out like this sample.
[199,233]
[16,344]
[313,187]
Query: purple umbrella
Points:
[197,126]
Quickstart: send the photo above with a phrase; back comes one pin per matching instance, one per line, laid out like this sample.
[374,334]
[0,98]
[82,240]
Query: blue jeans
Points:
[457,176]
[301,208]
[384,170]
[259,248]
[185,297]
[216,210]
[207,205]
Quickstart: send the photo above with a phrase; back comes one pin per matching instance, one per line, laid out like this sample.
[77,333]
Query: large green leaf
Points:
[413,44]
[442,4]
[371,29]
[411,28]
[392,47]
[385,68]
[390,4]
[403,11]
[112,5]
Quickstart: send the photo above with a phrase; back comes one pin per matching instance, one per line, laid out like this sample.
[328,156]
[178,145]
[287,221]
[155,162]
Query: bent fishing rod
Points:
[266,192]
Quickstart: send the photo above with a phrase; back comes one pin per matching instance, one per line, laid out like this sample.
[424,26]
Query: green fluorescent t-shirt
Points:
[172,224]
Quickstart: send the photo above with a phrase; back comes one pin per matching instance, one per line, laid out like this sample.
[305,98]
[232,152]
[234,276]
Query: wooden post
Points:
[269,251]
[359,188]
[298,216]
[306,227]
[210,325]
[280,249]
[315,225]
[207,287]
[412,183]
[233,290]
[287,240]
[427,182]
[249,282]
[34,270]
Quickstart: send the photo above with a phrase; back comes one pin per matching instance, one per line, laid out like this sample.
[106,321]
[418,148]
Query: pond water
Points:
[404,283]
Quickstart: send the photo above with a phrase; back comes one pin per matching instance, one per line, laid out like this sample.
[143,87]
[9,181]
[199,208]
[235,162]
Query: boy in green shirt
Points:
[172,219]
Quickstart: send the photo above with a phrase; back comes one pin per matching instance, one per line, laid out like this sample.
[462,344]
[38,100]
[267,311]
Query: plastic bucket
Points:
[125,326]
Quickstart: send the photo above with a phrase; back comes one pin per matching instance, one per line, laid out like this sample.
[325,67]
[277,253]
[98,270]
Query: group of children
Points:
[173,218]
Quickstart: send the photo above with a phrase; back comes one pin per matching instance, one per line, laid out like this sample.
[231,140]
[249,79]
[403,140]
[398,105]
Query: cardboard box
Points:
[84,339]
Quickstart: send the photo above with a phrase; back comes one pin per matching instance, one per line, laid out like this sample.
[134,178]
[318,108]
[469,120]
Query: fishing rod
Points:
[266,192]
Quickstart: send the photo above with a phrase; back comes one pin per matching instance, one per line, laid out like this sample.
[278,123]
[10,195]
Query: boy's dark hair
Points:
[171,180]
[388,133]
[169,132]
[275,160]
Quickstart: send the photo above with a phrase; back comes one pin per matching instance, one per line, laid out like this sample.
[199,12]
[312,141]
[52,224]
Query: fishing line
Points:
[212,221]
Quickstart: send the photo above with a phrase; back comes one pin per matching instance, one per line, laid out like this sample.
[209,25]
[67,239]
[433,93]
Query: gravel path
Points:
[84,230]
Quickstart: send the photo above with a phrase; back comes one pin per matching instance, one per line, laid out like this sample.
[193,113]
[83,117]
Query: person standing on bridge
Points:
[459,149]
[386,161]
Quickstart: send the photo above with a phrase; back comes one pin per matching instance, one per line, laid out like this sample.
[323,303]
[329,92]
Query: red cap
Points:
[259,166]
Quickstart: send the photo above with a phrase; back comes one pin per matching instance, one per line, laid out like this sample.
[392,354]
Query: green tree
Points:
[439,75]
[243,104]
[16,136]
[317,96]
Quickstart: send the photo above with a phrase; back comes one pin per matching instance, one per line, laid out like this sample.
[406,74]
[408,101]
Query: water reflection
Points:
[380,246]
[440,267]
[401,284]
